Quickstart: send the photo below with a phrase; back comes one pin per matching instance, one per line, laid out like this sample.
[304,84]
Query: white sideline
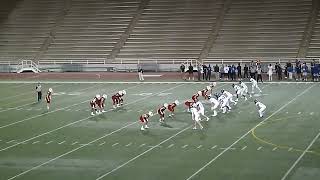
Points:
[80,147]
[136,157]
[39,115]
[149,82]
[300,157]
[243,136]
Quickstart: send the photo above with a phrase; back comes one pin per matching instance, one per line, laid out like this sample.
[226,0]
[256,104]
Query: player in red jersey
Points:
[205,92]
[49,98]
[161,112]
[189,104]
[144,119]
[196,96]
[115,99]
[102,103]
[93,105]
[171,107]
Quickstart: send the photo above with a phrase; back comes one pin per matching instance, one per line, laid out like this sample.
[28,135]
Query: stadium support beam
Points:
[215,30]
[312,20]
[124,37]
[47,42]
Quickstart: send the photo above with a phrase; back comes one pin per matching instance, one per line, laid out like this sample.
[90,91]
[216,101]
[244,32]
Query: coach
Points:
[39,92]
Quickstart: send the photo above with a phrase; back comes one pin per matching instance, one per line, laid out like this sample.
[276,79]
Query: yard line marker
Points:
[171,145]
[128,144]
[275,148]
[11,141]
[300,157]
[184,146]
[115,144]
[259,148]
[145,152]
[243,148]
[248,132]
[61,142]
[76,142]
[200,146]
[49,142]
[102,143]
[142,145]
[36,142]
[290,149]
[213,147]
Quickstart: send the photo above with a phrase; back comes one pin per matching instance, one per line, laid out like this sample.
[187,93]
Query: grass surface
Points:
[67,143]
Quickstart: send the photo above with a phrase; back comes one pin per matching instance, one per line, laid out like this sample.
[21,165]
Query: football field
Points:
[66,142]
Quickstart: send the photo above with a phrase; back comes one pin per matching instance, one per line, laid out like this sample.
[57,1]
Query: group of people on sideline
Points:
[299,71]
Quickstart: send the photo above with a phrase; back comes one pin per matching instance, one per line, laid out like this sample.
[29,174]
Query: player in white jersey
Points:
[261,108]
[244,89]
[224,103]
[195,117]
[214,104]
[200,109]
[229,96]
[254,85]
[238,91]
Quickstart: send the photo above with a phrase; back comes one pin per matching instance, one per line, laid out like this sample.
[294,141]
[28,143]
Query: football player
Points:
[121,93]
[144,119]
[189,104]
[205,92]
[224,103]
[244,89]
[238,90]
[195,117]
[254,84]
[200,109]
[261,108]
[49,98]
[116,99]
[102,103]
[229,96]
[171,107]
[93,105]
[161,112]
[196,96]
[214,104]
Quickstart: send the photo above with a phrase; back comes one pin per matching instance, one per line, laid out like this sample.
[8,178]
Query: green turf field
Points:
[66,143]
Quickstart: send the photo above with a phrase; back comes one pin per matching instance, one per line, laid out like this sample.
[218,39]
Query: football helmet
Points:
[50,90]
[124,92]
[150,113]
[177,102]
[208,88]
[98,96]
[199,92]
[165,105]
[104,96]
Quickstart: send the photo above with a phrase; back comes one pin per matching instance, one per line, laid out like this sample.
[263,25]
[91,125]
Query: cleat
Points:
[92,114]
[194,128]
[146,127]
[142,129]
[208,119]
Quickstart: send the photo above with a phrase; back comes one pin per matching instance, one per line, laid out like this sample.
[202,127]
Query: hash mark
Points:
[115,144]
[243,148]
[74,143]
[171,145]
[199,147]
[259,148]
[128,145]
[61,142]
[185,146]
[36,142]
[142,145]
[10,141]
[102,143]
[275,148]
[213,146]
[290,149]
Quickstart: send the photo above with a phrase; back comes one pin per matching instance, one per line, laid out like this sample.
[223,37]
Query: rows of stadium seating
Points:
[314,48]
[91,29]
[166,30]
[259,28]
[172,30]
[26,28]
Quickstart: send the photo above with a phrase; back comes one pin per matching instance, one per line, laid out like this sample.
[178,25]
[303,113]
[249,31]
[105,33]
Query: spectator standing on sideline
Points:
[246,71]
[259,73]
[140,73]
[279,71]
[182,69]
[39,91]
[233,72]
[199,72]
[290,72]
[222,72]
[253,71]
[190,71]
[209,69]
[270,72]
[305,72]
[216,72]
[298,70]
[226,72]
[204,71]
[239,71]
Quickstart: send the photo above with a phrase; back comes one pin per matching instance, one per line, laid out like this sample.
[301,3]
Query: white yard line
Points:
[300,157]
[136,157]
[59,109]
[243,136]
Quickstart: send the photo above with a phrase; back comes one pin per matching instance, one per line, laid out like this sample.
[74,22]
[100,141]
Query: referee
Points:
[39,91]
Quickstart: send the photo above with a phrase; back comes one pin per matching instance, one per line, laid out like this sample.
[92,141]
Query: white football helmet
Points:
[177,102]
[199,92]
[165,105]
[213,84]
[104,96]
[251,79]
[150,113]
[208,88]
[50,90]
[124,92]
[120,92]
[98,96]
